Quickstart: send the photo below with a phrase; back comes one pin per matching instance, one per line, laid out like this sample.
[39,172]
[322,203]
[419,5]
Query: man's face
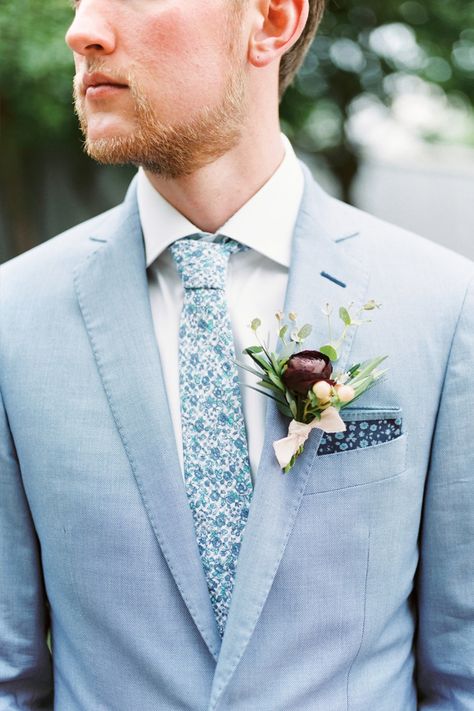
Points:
[159,83]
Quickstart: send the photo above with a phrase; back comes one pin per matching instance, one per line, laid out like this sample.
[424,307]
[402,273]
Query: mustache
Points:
[121,76]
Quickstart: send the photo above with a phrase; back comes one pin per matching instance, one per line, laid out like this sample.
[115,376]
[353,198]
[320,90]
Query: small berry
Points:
[322,390]
[345,393]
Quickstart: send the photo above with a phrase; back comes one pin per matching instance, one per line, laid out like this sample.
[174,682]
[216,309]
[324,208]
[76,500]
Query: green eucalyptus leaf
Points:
[330,352]
[305,331]
[345,315]
[371,305]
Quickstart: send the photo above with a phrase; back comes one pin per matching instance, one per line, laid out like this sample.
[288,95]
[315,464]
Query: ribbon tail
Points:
[285,448]
[298,433]
[330,421]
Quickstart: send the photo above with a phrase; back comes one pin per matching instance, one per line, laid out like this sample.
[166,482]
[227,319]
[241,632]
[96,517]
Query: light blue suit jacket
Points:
[354,586]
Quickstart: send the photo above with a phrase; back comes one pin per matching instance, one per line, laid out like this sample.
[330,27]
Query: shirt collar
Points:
[265,223]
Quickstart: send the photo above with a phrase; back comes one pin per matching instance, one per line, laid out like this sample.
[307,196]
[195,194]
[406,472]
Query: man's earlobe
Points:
[282,22]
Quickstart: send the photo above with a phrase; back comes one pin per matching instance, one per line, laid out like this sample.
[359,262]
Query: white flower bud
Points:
[345,393]
[322,390]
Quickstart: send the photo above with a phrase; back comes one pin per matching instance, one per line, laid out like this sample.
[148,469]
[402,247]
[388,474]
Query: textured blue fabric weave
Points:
[216,464]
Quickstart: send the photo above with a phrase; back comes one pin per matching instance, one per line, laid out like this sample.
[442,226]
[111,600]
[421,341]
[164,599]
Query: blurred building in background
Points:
[382,111]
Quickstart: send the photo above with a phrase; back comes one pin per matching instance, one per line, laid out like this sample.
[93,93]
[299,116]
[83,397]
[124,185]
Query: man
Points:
[144,517]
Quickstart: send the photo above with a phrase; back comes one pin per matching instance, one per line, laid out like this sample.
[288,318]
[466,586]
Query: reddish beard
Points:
[170,150]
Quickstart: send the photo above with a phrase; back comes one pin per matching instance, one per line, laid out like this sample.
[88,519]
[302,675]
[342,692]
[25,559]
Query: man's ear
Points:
[280,24]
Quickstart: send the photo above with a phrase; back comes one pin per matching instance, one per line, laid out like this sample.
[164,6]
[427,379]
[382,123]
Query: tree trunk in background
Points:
[18,230]
[47,189]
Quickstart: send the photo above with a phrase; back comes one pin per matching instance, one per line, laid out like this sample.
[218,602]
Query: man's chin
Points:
[107,128]
[110,149]
[109,141]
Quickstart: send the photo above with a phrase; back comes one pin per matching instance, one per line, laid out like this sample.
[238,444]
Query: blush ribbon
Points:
[298,433]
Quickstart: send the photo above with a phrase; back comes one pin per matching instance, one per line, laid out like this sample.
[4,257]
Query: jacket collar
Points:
[264,223]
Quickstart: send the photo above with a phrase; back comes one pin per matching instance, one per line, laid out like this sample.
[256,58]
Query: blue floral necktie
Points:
[216,464]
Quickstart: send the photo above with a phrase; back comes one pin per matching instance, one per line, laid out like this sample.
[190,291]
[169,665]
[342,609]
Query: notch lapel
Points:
[112,292]
[321,271]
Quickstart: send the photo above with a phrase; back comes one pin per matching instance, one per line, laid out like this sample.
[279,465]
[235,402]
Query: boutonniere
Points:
[303,383]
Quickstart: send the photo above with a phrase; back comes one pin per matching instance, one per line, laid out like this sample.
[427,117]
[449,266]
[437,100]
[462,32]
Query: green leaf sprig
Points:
[270,366]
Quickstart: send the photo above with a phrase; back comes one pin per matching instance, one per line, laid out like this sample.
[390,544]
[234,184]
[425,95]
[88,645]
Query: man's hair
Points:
[293,59]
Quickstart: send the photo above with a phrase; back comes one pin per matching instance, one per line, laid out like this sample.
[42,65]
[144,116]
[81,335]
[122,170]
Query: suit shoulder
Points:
[406,255]
[58,252]
[43,276]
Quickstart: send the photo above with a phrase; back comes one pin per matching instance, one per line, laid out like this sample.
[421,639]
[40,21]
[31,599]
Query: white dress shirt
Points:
[256,280]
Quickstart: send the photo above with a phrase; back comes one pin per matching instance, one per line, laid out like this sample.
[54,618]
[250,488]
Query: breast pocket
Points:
[372,448]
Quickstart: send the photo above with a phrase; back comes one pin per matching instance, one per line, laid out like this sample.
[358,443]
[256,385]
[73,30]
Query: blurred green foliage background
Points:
[365,51]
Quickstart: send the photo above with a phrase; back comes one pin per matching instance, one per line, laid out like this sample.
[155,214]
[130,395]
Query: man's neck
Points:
[211,195]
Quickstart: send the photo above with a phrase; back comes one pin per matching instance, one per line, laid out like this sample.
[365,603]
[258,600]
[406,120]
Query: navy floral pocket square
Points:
[365,428]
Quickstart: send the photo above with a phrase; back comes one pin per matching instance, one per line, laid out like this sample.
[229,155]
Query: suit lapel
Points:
[112,292]
[321,271]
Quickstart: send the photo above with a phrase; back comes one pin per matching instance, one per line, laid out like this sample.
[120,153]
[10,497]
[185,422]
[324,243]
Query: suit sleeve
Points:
[25,661]
[445,582]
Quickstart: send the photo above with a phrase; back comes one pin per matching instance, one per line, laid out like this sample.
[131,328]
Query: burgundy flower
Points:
[306,368]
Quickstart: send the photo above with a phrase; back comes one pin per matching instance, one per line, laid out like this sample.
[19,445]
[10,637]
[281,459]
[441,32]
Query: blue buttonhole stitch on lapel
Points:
[331,278]
[342,239]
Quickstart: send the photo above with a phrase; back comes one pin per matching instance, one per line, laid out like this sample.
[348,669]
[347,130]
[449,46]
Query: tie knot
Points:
[201,264]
